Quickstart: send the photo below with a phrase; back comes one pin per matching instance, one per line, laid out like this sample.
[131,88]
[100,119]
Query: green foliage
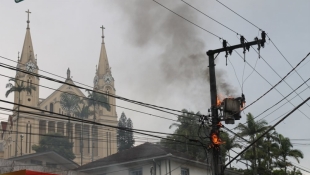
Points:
[252,129]
[269,155]
[55,142]
[187,126]
[18,87]
[125,138]
[69,102]
[285,150]
[96,99]
[230,143]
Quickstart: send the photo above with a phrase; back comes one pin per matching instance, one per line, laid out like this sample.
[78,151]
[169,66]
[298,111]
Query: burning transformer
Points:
[231,109]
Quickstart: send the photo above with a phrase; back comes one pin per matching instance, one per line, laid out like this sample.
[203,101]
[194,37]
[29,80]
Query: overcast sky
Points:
[159,58]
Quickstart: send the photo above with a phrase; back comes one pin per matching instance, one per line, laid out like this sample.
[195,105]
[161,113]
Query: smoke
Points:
[183,58]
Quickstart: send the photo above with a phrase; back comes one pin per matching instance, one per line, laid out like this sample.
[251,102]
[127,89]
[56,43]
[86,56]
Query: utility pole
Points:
[214,100]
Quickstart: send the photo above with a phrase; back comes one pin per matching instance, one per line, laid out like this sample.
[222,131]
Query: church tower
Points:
[104,83]
[27,62]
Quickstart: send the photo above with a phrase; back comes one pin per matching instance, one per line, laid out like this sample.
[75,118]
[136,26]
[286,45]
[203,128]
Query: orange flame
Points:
[219,99]
[216,140]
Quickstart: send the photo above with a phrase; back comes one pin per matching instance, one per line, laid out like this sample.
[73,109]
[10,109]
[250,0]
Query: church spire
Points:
[103,66]
[27,52]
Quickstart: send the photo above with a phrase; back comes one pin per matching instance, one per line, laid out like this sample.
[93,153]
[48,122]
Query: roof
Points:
[27,172]
[143,151]
[68,164]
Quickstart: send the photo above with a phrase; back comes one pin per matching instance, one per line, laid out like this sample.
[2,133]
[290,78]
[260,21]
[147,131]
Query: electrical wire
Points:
[287,60]
[114,96]
[187,20]
[96,100]
[110,95]
[277,82]
[239,15]
[210,17]
[61,116]
[280,102]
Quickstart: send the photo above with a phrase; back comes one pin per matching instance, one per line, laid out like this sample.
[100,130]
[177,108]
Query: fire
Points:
[219,99]
[216,140]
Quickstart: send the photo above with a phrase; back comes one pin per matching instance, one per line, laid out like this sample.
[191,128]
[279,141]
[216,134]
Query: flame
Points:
[216,140]
[219,99]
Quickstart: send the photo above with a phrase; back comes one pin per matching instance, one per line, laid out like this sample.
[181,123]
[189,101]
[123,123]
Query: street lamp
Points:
[21,144]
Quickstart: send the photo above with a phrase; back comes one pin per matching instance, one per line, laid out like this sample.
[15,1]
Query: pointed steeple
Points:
[27,52]
[103,66]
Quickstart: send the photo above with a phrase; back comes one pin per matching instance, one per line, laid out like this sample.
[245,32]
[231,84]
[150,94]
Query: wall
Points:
[10,166]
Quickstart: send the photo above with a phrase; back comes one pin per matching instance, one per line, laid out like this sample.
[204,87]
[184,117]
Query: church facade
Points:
[90,141]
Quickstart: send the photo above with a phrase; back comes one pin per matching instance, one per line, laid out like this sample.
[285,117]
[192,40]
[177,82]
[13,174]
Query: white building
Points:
[142,159]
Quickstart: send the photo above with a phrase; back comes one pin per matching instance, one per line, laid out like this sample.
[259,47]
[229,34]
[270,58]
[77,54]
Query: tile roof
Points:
[146,150]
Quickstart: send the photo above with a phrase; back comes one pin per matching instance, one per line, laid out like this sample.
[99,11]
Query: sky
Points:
[159,58]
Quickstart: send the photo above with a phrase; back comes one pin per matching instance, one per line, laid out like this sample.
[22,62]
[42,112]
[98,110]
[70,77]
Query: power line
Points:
[210,17]
[286,60]
[280,101]
[239,15]
[125,99]
[60,116]
[277,83]
[274,46]
[155,107]
[97,100]
[187,20]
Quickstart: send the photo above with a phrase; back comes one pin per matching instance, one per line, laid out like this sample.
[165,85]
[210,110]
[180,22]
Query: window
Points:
[184,171]
[135,172]
[51,107]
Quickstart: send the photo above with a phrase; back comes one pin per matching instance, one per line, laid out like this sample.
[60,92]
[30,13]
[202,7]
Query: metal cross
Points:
[28,21]
[102,31]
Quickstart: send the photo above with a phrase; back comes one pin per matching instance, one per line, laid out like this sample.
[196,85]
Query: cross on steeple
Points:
[102,36]
[28,21]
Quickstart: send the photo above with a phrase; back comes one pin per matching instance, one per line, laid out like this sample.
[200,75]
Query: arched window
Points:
[51,107]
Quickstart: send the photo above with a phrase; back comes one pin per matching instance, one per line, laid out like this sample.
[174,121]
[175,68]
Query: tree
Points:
[69,103]
[18,87]
[285,150]
[125,138]
[230,143]
[96,99]
[83,113]
[251,129]
[187,127]
[55,142]
[130,139]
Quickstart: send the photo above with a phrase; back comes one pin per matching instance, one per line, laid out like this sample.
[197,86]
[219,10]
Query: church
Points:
[22,131]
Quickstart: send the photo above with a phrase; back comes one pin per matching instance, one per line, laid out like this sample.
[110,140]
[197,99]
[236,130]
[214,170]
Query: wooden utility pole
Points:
[213,94]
